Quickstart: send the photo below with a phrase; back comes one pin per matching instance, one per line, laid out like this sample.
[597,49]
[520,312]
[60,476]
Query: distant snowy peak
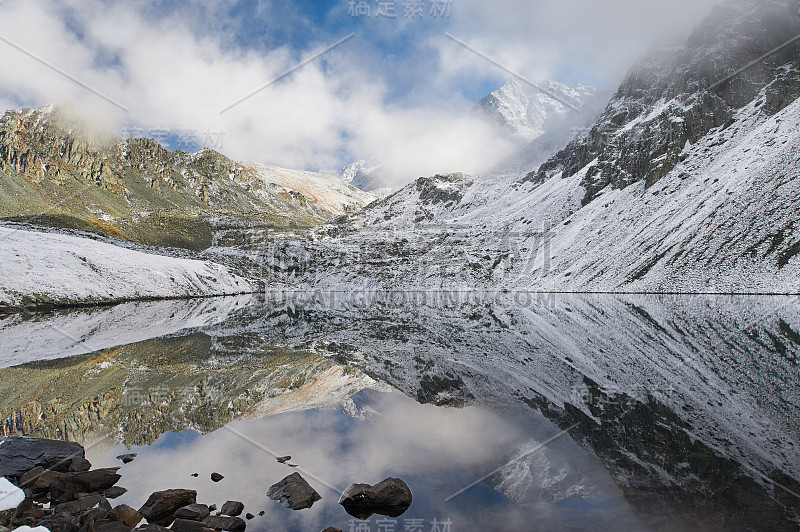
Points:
[364,175]
[524,109]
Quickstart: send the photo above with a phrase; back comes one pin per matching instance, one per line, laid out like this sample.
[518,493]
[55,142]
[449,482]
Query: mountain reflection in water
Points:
[682,410]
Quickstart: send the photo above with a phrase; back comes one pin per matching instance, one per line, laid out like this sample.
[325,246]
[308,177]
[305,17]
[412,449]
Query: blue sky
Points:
[399,91]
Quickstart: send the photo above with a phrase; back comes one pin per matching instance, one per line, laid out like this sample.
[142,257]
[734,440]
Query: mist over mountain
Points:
[687,182]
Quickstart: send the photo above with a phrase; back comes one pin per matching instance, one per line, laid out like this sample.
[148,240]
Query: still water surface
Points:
[563,412]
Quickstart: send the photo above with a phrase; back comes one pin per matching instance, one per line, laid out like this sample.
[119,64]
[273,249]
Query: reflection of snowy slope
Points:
[362,405]
[49,267]
[78,332]
[686,376]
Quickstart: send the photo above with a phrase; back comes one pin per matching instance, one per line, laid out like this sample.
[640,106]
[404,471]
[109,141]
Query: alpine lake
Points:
[507,411]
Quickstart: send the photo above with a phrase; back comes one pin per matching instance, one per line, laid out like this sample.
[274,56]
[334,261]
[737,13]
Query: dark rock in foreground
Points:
[125,514]
[222,522]
[112,526]
[188,525]
[20,454]
[232,508]
[71,486]
[193,512]
[390,497]
[79,465]
[38,479]
[116,491]
[127,458]
[216,477]
[293,492]
[81,505]
[162,505]
[153,528]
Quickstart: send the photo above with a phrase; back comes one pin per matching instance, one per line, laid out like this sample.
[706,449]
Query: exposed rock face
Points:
[390,496]
[21,454]
[673,97]
[293,492]
[54,171]
[162,505]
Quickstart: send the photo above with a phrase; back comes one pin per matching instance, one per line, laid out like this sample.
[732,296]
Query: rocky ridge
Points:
[57,171]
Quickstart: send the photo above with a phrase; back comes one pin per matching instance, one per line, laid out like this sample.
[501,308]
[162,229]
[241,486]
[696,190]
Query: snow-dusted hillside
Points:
[49,268]
[674,189]
[323,194]
[78,333]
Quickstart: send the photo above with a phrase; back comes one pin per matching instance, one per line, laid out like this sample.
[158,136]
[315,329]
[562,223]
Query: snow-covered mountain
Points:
[363,175]
[524,110]
[681,185]
[540,119]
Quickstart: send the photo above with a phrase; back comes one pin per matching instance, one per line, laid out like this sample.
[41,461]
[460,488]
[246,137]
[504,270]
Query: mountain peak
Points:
[741,53]
[523,109]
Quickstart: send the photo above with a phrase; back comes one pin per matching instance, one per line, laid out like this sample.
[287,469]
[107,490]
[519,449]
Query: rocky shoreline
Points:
[60,492]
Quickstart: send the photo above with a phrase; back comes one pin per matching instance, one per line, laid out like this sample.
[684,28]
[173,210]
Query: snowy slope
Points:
[78,333]
[674,189]
[721,221]
[47,267]
[321,192]
[364,175]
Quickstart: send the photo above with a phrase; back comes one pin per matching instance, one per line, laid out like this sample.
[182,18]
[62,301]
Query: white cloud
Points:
[179,70]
